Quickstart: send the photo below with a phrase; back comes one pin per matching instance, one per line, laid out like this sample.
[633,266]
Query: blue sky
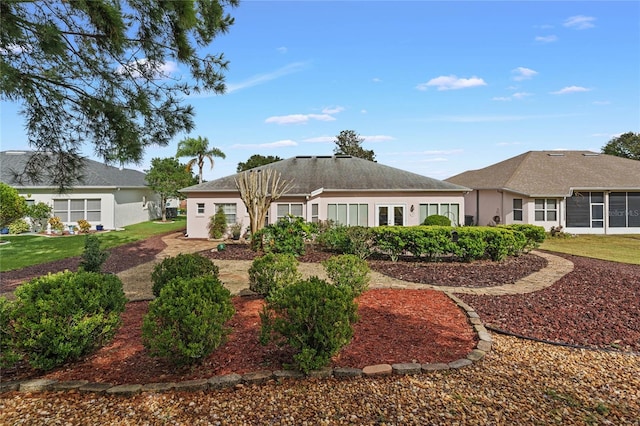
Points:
[435,88]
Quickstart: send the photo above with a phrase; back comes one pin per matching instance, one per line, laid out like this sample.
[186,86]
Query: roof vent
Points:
[343,156]
[555,154]
[325,156]
[591,154]
[304,156]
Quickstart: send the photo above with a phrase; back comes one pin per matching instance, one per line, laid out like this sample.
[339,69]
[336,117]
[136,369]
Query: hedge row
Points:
[432,242]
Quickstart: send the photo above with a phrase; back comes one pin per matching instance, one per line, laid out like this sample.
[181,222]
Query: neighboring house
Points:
[582,191]
[345,189]
[109,196]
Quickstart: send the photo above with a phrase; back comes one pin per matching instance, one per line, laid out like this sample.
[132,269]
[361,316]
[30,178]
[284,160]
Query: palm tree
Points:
[198,148]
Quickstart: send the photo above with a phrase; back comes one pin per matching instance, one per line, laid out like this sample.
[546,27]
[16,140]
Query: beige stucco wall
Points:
[197,223]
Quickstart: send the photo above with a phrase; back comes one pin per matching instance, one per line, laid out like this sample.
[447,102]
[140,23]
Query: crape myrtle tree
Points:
[348,142]
[166,177]
[256,160]
[258,188]
[626,145]
[112,72]
[198,148]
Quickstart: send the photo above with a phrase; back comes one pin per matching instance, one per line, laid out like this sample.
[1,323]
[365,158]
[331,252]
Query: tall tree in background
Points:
[256,160]
[112,72]
[348,142]
[199,149]
[626,145]
[166,177]
[258,188]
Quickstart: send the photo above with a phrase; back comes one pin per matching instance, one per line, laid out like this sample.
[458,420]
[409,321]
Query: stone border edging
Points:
[258,377]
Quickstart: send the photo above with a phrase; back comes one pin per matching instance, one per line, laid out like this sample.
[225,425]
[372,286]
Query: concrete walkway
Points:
[234,274]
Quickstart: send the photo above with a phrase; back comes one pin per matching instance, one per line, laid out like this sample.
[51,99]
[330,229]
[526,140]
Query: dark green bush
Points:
[184,265]
[61,317]
[217,224]
[287,235]
[271,272]
[186,322]
[333,237]
[348,271]
[312,316]
[429,241]
[437,220]
[93,257]
[8,354]
[390,240]
[534,234]
[471,244]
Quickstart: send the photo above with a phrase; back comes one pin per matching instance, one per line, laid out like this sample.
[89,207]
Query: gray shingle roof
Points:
[330,173]
[95,174]
[555,173]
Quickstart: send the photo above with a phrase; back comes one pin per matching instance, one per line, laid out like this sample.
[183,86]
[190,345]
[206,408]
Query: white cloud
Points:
[517,95]
[570,89]
[282,50]
[521,95]
[333,110]
[493,118]
[378,138]
[320,139]
[376,80]
[522,73]
[546,39]
[277,144]
[363,111]
[158,70]
[451,82]
[579,22]
[298,118]
[263,78]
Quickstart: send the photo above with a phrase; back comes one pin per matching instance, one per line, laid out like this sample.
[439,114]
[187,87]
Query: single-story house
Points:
[109,196]
[584,192]
[345,189]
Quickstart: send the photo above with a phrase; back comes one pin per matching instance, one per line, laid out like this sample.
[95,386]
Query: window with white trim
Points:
[230,211]
[546,209]
[73,210]
[314,213]
[517,209]
[200,208]
[349,214]
[450,210]
[285,209]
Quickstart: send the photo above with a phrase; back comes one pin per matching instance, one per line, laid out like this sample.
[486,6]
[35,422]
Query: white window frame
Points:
[87,212]
[546,209]
[391,218]
[354,214]
[230,211]
[200,209]
[289,208]
[519,210]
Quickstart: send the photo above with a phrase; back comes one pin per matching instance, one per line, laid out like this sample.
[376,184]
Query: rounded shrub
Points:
[62,317]
[313,317]
[8,354]
[437,220]
[348,271]
[186,322]
[270,273]
[184,265]
[18,226]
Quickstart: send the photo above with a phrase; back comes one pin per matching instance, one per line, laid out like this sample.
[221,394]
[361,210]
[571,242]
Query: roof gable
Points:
[555,173]
[336,173]
[94,174]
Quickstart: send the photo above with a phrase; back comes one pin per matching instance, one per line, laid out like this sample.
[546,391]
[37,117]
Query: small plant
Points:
[217,224]
[184,265]
[61,317]
[235,230]
[437,220]
[56,224]
[93,257]
[18,226]
[348,271]
[38,213]
[312,316]
[84,226]
[186,322]
[270,273]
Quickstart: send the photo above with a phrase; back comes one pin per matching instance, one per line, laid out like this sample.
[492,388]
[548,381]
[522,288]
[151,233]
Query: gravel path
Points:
[519,382]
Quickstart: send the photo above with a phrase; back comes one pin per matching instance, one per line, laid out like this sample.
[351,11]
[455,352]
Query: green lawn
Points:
[618,248]
[28,249]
